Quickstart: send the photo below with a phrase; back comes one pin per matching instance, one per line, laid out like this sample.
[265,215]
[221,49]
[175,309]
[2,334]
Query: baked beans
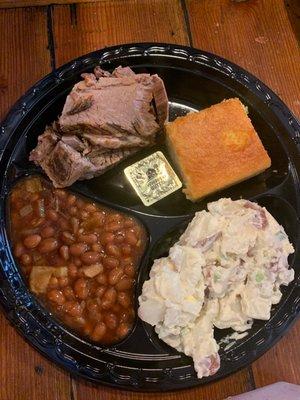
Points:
[80,258]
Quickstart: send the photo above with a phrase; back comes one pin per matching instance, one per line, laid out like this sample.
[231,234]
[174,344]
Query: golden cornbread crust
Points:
[216,148]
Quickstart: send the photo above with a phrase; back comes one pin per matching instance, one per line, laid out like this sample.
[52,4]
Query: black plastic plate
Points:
[194,80]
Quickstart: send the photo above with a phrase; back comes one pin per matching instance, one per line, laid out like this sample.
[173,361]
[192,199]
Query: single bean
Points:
[108,299]
[32,241]
[116,308]
[124,284]
[71,200]
[115,275]
[90,238]
[114,218]
[131,238]
[92,305]
[84,214]
[36,222]
[75,224]
[53,282]
[77,249]
[126,249]
[63,281]
[73,308]
[48,245]
[113,226]
[95,315]
[97,247]
[119,237]
[106,237]
[26,259]
[73,211]
[129,270]
[126,260]
[99,217]
[80,203]
[90,257]
[102,279]
[123,330]
[68,238]
[19,249]
[110,262]
[52,215]
[64,224]
[110,295]
[98,332]
[68,293]
[72,270]
[129,222]
[81,288]
[113,250]
[111,321]
[77,262]
[100,291]
[64,252]
[90,207]
[47,232]
[56,296]
[124,316]
[124,299]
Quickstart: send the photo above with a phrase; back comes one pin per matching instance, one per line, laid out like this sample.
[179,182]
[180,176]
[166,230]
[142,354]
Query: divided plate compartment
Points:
[194,80]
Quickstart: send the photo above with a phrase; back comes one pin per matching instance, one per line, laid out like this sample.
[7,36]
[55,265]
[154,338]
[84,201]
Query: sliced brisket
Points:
[106,118]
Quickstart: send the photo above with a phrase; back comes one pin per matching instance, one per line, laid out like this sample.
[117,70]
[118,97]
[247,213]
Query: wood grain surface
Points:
[255,34]
[260,35]
[82,28]
[35,3]
[281,363]
[24,54]
[24,373]
[232,385]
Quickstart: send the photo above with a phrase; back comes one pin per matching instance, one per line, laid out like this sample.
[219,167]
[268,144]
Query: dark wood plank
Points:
[293,10]
[34,3]
[229,386]
[83,28]
[24,54]
[24,373]
[256,35]
[281,363]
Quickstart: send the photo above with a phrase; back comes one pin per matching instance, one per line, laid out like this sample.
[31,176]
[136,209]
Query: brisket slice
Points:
[46,143]
[106,118]
[64,165]
[121,101]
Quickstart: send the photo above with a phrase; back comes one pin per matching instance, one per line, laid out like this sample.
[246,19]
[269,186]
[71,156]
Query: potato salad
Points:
[225,271]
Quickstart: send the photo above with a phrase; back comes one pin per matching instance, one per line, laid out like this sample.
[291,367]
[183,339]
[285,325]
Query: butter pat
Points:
[152,178]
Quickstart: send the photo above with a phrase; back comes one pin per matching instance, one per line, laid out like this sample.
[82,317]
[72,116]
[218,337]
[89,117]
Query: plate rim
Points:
[34,94]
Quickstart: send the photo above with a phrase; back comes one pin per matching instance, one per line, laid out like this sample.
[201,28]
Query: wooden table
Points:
[259,35]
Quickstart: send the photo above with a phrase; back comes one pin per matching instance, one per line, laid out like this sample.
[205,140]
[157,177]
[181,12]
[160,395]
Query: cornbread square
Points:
[216,148]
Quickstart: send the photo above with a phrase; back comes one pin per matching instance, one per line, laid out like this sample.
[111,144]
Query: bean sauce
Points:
[79,258]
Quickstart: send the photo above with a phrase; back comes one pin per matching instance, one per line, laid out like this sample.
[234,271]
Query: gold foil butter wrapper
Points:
[152,178]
